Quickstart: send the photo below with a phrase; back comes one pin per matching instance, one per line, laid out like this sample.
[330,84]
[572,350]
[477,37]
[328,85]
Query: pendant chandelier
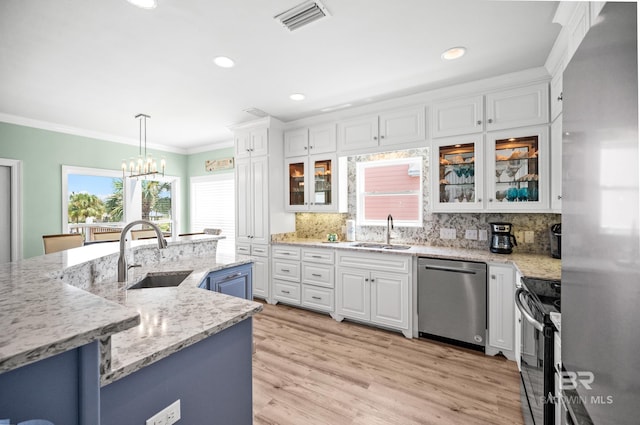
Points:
[145,165]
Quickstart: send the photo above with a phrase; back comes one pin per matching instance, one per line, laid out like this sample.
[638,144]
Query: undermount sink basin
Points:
[380,245]
[161,279]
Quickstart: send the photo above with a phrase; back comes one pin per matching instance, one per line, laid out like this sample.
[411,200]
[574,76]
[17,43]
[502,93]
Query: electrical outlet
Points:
[529,236]
[167,416]
[519,236]
[447,233]
[482,235]
[471,234]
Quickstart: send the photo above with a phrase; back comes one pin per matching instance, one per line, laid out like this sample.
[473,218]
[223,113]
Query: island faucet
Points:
[122,261]
[389,227]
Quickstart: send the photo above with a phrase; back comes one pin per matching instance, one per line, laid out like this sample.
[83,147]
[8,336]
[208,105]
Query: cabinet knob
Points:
[375,137]
[490,120]
[479,199]
[560,97]
[479,122]
[305,148]
[382,137]
[373,280]
[366,279]
[310,147]
[559,196]
[490,199]
[493,276]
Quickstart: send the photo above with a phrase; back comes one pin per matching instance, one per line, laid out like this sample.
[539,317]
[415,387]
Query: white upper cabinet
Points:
[456,117]
[518,107]
[254,142]
[391,128]
[402,126]
[358,133]
[556,96]
[556,166]
[312,140]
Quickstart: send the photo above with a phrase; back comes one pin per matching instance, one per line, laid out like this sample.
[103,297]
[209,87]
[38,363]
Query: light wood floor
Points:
[309,369]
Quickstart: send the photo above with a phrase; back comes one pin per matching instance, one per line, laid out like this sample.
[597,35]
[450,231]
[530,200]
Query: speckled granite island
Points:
[133,352]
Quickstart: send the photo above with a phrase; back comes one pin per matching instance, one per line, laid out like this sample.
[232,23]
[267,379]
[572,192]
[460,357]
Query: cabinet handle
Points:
[560,97]
[285,253]
[316,256]
[259,250]
[490,120]
[559,196]
[316,275]
[479,122]
[493,276]
[285,292]
[285,270]
[316,298]
[231,276]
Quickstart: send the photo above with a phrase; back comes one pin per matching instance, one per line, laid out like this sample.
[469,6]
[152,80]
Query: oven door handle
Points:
[520,294]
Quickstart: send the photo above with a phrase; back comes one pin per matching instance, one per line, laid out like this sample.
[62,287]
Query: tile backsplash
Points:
[317,225]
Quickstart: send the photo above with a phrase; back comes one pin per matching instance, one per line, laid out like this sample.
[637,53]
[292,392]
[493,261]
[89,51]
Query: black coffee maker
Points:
[502,241]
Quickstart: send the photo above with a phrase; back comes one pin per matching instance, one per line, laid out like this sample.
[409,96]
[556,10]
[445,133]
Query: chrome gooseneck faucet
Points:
[389,227]
[122,261]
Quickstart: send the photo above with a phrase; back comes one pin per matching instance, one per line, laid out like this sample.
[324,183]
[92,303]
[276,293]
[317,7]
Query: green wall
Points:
[195,162]
[43,153]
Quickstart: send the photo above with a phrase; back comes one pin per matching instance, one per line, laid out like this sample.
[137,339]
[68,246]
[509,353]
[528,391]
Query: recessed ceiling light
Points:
[144,4]
[297,96]
[224,62]
[454,53]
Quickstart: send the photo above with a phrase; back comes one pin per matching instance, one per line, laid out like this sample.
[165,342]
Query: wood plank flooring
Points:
[309,369]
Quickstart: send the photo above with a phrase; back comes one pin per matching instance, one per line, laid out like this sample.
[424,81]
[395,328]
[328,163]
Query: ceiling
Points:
[92,65]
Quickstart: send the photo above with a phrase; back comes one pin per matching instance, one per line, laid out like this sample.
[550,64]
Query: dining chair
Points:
[107,236]
[55,243]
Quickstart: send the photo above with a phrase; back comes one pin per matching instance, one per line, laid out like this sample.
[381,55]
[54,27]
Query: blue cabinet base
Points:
[212,379]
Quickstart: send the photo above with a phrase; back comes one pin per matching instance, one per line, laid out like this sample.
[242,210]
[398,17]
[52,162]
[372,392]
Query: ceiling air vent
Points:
[257,112]
[302,14]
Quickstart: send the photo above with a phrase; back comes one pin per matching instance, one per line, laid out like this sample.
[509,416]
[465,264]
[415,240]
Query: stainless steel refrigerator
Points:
[601,222]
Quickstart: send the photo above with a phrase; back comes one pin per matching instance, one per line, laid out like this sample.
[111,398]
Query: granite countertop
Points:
[530,265]
[41,315]
[171,318]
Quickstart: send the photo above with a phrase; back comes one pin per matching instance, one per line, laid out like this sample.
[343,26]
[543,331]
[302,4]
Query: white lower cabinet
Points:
[303,277]
[501,309]
[374,288]
[260,257]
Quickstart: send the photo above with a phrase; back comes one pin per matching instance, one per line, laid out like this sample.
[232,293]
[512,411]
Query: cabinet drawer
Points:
[260,250]
[318,298]
[285,252]
[286,270]
[286,291]
[324,256]
[244,249]
[317,274]
[382,262]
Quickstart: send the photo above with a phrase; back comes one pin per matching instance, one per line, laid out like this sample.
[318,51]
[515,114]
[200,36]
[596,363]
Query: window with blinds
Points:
[390,187]
[213,206]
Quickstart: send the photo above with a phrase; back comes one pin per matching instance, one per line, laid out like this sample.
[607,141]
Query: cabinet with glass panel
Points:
[310,183]
[457,170]
[518,169]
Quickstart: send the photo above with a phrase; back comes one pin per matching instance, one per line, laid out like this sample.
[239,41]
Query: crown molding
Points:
[58,128]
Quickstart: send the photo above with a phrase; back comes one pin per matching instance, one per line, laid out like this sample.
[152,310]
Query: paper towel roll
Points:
[351,230]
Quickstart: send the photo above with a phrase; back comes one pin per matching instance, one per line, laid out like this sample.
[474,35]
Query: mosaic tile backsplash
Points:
[317,225]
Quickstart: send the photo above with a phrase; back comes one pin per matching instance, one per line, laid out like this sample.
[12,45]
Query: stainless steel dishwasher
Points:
[452,301]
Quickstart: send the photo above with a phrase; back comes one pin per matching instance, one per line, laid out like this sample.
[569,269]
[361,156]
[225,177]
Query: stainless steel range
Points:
[536,299]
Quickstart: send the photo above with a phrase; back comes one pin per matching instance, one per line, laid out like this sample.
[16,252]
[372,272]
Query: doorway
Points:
[10,211]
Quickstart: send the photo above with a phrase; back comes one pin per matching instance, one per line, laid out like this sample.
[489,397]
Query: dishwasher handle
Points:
[520,293]
[448,269]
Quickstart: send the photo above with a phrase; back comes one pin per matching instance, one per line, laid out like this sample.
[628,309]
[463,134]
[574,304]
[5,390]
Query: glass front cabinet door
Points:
[457,170]
[518,169]
[311,183]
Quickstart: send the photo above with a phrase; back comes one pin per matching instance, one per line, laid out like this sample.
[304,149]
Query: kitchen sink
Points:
[161,280]
[381,246]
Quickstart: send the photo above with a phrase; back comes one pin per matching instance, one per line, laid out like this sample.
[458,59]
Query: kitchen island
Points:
[139,350]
